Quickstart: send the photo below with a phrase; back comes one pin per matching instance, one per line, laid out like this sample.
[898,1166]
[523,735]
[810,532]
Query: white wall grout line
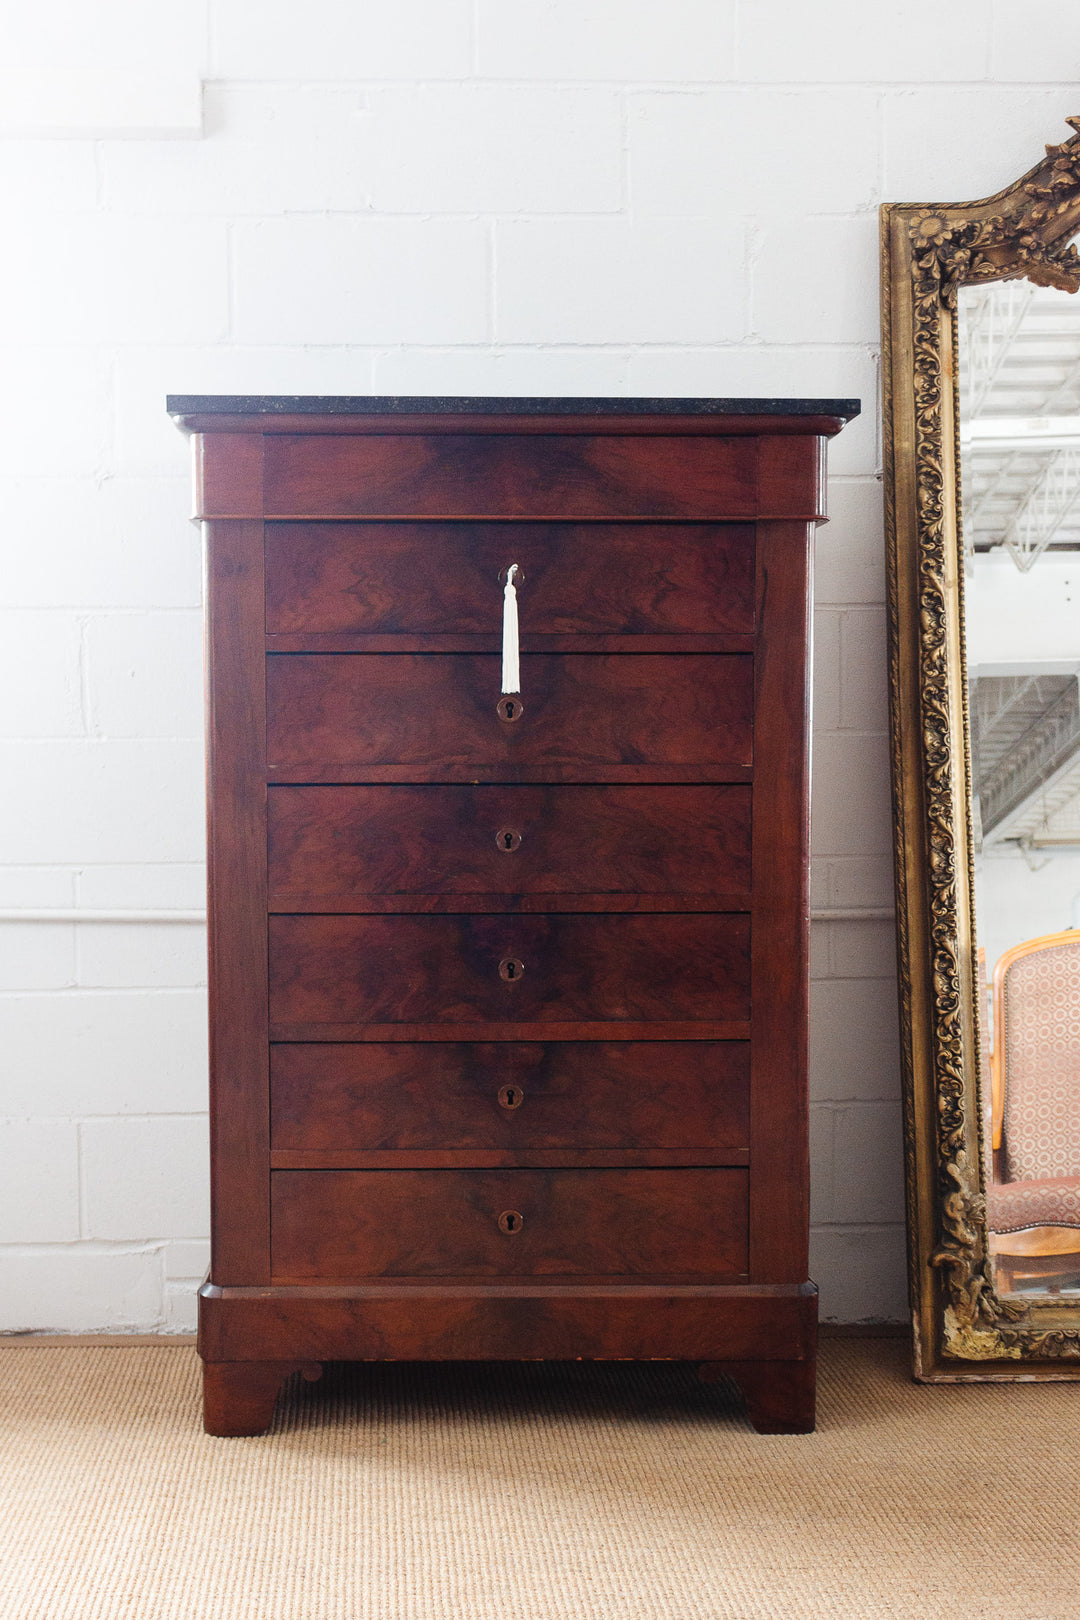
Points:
[844,914]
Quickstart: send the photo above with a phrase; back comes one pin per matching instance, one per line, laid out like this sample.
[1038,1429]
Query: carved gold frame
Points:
[962,1327]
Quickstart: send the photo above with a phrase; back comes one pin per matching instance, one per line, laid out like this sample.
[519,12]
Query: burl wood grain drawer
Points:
[328,845]
[328,712]
[553,476]
[442,578]
[459,968]
[506,1095]
[347,1224]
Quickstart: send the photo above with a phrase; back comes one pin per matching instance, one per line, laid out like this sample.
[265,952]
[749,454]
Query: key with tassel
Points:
[511,647]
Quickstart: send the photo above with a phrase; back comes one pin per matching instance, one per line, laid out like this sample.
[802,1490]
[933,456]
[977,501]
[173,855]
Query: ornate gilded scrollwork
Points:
[928,252]
[1055,1344]
[974,1312]
[1022,240]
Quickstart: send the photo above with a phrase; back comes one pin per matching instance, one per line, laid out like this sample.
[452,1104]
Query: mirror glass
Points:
[1019,392]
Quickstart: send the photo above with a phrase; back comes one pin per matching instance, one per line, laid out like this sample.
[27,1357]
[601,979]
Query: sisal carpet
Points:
[532,1492]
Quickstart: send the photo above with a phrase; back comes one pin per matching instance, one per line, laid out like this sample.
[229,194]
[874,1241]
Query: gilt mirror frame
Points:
[963,1328]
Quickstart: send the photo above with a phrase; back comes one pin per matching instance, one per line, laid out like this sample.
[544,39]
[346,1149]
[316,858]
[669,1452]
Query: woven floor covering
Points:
[532,1492]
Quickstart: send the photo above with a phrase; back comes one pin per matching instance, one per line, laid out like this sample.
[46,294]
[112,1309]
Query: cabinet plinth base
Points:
[779,1395]
[762,1335]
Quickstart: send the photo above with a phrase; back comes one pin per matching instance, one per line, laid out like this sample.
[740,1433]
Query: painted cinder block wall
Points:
[434,196]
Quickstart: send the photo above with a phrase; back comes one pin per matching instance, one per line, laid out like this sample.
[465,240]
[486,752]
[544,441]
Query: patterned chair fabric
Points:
[986,1080]
[1041,1049]
[1016,1206]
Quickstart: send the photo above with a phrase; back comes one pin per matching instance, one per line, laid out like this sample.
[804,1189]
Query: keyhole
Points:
[511,968]
[509,708]
[511,1096]
[508,839]
[510,1221]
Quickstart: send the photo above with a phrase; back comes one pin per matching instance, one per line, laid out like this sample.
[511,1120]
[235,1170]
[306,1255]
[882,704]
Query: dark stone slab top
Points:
[182,405]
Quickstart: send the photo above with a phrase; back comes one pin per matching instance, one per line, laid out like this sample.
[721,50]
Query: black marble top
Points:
[479,405]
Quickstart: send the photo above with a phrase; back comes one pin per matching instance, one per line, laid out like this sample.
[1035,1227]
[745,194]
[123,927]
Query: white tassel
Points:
[511,663]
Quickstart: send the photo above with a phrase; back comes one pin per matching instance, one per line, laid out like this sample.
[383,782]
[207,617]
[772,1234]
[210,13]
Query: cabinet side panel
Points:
[779,1155]
[236,799]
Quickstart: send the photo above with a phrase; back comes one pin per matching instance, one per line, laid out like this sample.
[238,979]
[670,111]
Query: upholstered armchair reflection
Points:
[1033,1195]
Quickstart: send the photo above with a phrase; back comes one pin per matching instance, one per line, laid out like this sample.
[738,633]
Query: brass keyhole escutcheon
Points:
[511,968]
[507,839]
[509,708]
[511,1096]
[510,1221]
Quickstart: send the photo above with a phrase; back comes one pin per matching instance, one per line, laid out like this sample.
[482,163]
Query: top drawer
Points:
[491,475]
[444,578]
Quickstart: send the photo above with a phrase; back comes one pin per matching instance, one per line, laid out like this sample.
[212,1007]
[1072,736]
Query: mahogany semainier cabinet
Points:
[508,974]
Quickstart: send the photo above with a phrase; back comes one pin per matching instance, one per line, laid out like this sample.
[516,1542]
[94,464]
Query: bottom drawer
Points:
[349,1224]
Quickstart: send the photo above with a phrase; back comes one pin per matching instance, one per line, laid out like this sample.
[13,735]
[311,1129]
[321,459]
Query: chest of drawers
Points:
[508,992]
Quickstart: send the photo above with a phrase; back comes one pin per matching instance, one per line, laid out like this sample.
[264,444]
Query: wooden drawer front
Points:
[418,969]
[339,1224]
[506,475]
[326,711]
[440,578]
[332,844]
[448,1095]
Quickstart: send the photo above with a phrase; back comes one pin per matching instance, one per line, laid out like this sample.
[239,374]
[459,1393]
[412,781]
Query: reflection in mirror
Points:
[1019,393]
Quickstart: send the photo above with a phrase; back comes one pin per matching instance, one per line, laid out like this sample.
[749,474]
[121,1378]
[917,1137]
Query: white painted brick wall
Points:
[73,68]
[82,1288]
[40,674]
[266,149]
[622,40]
[358,41]
[43,959]
[59,176]
[116,279]
[348,279]
[142,674]
[501,149]
[588,280]
[101,799]
[145,1179]
[39,1191]
[838,41]
[763,146]
[917,162]
[152,956]
[36,375]
[445,196]
[103,1053]
[102,542]
[837,259]
[583,370]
